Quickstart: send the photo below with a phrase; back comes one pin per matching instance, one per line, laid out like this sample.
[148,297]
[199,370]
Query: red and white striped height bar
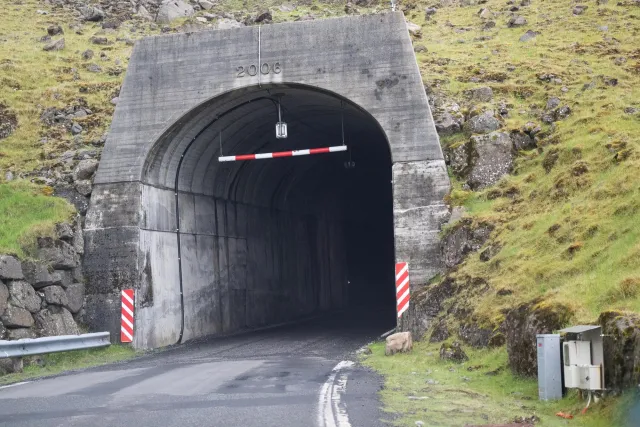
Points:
[402,287]
[126,330]
[277,154]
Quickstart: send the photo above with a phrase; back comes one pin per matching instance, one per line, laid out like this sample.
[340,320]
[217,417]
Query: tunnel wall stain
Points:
[238,256]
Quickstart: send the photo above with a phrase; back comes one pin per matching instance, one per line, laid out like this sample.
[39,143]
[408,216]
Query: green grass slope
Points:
[568,219]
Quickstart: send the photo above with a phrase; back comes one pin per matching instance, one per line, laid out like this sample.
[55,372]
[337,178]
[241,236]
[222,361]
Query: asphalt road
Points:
[297,375]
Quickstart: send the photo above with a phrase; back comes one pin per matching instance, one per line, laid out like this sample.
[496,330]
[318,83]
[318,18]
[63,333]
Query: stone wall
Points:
[44,297]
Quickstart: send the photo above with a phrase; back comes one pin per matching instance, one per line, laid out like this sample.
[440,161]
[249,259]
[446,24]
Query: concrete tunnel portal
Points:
[263,241]
[215,247]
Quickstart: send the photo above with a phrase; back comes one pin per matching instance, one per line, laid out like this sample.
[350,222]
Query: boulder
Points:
[463,239]
[75,297]
[39,275]
[21,333]
[264,17]
[521,326]
[516,21]
[54,45]
[400,342]
[3,331]
[56,295]
[522,141]
[4,297]
[87,54]
[99,40]
[16,317]
[54,321]
[23,295]
[414,29]
[64,231]
[482,123]
[10,268]
[76,128]
[579,9]
[58,254]
[460,158]
[84,187]
[492,159]
[54,30]
[173,9]
[448,119]
[206,5]
[553,102]
[453,352]
[529,35]
[480,94]
[91,13]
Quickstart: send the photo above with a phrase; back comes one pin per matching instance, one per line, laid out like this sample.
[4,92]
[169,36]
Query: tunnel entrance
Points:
[266,241]
[212,248]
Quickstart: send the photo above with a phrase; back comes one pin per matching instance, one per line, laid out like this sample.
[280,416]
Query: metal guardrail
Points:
[32,347]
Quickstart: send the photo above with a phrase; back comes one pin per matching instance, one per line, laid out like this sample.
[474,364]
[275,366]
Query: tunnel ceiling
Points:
[243,122]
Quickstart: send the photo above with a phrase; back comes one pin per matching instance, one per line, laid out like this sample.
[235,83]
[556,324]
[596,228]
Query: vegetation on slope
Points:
[568,218]
[421,387]
[25,212]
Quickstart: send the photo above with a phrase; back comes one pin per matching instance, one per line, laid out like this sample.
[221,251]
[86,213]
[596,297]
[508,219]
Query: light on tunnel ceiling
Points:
[281,127]
[281,130]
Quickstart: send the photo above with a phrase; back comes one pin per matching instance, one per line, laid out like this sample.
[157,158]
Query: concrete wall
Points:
[249,256]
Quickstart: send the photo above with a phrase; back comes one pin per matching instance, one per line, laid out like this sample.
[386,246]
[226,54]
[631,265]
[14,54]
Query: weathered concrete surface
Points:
[261,242]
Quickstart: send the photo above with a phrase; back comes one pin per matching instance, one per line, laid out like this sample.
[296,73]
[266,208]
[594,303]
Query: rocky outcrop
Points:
[621,349]
[521,326]
[462,239]
[482,123]
[448,119]
[173,9]
[426,305]
[493,158]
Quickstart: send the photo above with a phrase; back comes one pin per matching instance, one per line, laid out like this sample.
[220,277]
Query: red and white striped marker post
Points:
[277,154]
[126,330]
[402,287]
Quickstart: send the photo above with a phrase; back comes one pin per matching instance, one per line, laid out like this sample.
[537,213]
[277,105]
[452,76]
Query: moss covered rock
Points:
[621,349]
[521,326]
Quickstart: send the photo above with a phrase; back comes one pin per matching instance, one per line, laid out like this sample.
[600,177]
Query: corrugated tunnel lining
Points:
[305,191]
[314,121]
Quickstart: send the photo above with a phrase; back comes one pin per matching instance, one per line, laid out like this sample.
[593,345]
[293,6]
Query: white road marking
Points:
[332,411]
[14,385]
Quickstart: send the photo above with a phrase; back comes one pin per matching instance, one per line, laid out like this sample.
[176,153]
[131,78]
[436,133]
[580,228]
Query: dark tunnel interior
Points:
[286,236]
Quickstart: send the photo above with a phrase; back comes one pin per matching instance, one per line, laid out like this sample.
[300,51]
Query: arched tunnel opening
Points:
[265,241]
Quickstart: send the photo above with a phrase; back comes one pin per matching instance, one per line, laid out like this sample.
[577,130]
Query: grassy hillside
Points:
[568,220]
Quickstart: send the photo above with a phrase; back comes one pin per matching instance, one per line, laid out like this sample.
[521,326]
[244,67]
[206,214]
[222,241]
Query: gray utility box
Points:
[549,367]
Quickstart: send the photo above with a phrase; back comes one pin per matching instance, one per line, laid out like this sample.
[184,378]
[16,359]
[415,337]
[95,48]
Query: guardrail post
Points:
[16,365]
